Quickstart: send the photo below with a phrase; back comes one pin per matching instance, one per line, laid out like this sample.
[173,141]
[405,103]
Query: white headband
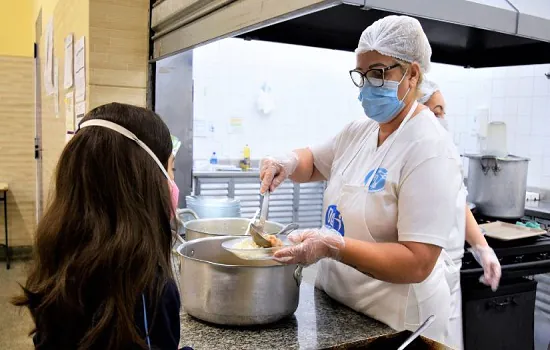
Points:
[123,131]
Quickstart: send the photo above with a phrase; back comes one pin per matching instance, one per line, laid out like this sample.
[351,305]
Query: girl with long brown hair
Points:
[101,275]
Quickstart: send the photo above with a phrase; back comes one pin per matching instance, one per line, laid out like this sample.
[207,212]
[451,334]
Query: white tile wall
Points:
[314,98]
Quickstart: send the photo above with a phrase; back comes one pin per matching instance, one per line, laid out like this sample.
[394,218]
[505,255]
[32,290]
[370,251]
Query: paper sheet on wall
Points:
[79,54]
[48,63]
[235,125]
[68,73]
[56,87]
[80,70]
[69,111]
[80,85]
[80,111]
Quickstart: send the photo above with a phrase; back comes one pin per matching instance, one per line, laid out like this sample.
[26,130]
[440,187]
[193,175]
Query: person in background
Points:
[101,275]
[432,98]
[393,238]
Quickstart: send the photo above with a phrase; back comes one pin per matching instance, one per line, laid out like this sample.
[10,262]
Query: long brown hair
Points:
[105,238]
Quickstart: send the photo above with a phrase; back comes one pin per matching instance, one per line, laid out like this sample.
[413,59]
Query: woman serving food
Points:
[395,200]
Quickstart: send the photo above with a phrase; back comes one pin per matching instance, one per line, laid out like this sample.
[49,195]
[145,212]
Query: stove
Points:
[512,306]
[518,258]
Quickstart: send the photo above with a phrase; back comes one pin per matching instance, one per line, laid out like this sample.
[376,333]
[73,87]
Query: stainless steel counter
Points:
[539,209]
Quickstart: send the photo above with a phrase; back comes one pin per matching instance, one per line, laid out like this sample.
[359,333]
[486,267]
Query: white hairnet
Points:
[401,37]
[427,89]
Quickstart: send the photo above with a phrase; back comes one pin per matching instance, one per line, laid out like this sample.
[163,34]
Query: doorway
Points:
[174,103]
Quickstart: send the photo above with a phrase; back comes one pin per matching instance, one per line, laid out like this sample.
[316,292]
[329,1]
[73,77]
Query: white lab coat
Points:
[417,194]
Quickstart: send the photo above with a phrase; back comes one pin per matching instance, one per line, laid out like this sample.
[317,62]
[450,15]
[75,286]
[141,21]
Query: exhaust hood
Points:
[469,33]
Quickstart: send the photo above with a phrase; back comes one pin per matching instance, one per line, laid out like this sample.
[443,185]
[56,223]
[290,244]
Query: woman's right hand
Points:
[311,246]
[274,171]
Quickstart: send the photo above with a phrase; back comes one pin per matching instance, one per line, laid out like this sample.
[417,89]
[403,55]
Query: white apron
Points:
[400,306]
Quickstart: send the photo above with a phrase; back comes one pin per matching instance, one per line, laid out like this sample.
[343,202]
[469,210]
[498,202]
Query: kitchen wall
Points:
[69,16]
[16,28]
[116,42]
[119,51]
[46,7]
[17,165]
[116,37]
[519,96]
[313,98]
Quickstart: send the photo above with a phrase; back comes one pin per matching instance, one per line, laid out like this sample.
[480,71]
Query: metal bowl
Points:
[203,228]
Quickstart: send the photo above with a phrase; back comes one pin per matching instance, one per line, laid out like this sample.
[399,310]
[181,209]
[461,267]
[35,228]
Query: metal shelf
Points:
[299,203]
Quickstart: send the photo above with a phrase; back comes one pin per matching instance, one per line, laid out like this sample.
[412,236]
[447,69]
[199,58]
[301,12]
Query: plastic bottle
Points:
[496,139]
[213,161]
[246,157]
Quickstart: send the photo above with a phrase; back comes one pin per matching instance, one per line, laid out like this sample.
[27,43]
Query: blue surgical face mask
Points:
[381,104]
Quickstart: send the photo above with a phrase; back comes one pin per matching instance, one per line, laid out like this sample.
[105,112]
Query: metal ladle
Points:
[264,211]
[258,236]
[258,231]
[416,333]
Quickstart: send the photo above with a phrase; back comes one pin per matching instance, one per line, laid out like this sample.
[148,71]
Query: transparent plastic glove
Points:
[311,246]
[274,171]
[487,258]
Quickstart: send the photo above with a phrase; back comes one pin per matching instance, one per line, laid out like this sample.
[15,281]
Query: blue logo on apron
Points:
[333,219]
[379,181]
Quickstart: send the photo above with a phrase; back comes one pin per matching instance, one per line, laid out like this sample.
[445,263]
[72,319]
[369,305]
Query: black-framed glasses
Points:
[374,76]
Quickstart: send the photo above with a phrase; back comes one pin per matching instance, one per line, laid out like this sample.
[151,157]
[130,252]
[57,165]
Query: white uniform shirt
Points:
[418,195]
[419,178]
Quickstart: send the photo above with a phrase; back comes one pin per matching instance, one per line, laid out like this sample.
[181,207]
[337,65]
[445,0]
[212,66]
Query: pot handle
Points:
[485,167]
[298,274]
[188,211]
[177,242]
[181,247]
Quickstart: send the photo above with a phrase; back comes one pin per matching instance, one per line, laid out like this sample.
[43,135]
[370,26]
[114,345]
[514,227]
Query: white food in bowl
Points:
[247,243]
[246,249]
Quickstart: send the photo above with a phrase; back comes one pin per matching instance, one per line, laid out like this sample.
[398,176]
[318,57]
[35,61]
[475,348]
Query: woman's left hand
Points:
[311,246]
[488,260]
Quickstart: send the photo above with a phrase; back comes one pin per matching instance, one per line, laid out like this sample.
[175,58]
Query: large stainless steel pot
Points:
[182,215]
[497,185]
[220,288]
[214,207]
[203,228]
